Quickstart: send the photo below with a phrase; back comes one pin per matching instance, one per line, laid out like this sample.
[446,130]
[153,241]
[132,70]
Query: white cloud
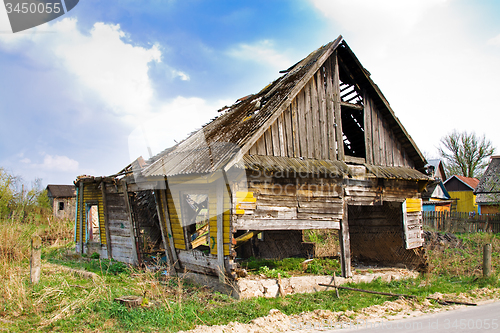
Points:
[494,41]
[173,123]
[25,160]
[103,61]
[183,76]
[262,52]
[58,163]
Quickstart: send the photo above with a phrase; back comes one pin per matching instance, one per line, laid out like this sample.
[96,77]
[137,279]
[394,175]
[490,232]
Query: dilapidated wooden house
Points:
[319,148]
[62,199]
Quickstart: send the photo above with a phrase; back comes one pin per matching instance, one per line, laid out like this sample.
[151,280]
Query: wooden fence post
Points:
[487,260]
[36,259]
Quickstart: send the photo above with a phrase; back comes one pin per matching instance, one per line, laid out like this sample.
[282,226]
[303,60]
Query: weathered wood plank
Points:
[268,137]
[282,136]
[135,257]
[322,114]
[106,221]
[345,244]
[295,129]
[332,145]
[287,116]
[337,107]
[316,128]
[367,113]
[309,121]
[220,230]
[245,223]
[301,111]
[276,139]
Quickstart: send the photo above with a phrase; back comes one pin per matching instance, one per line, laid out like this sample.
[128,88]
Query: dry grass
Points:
[465,260]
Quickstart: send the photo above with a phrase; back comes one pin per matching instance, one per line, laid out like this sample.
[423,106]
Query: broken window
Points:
[195,219]
[352,114]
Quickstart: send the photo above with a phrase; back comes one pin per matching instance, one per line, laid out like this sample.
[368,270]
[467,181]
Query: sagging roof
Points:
[225,140]
[61,191]
[324,168]
[488,189]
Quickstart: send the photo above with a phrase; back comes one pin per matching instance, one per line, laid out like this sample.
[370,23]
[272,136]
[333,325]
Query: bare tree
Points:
[465,154]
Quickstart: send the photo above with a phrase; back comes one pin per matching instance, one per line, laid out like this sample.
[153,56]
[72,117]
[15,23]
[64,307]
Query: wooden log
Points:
[443,302]
[36,259]
[345,244]
[487,260]
[220,229]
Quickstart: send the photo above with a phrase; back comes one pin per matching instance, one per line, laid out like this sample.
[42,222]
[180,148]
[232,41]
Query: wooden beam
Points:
[250,223]
[220,228]
[82,207]
[351,105]
[106,223]
[345,244]
[337,107]
[170,236]
[135,258]
[164,237]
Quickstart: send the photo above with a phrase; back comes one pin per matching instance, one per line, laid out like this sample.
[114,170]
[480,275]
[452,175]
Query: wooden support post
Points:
[82,207]
[170,237]
[106,222]
[337,107]
[220,228]
[131,221]
[35,260]
[164,234]
[487,260]
[345,244]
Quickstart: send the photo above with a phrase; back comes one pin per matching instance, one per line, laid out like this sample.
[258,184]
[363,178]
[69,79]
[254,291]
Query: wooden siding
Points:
[466,201]
[310,126]
[120,228]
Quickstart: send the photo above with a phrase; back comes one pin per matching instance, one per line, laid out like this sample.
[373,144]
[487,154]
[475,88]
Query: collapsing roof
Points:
[223,142]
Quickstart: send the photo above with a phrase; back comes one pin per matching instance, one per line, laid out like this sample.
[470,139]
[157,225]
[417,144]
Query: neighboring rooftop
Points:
[61,191]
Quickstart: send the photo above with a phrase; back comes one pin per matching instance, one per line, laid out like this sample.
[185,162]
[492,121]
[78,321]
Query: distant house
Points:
[435,196]
[461,189]
[488,190]
[62,198]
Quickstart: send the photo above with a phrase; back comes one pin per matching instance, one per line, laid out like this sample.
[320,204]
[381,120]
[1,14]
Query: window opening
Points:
[195,219]
[61,205]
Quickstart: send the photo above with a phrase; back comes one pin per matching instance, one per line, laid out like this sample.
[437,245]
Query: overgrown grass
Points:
[291,266]
[65,301]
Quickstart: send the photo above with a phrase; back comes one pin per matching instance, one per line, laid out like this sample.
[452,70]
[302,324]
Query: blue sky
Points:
[79,94]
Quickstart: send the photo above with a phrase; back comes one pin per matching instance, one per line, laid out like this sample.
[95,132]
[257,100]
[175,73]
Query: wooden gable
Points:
[339,115]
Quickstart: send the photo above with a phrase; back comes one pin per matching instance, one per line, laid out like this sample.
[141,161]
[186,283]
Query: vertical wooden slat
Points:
[337,107]
[289,131]
[282,136]
[170,234]
[295,129]
[301,111]
[367,112]
[276,139]
[253,149]
[220,229]
[322,114]
[316,128]
[106,220]
[309,121]
[131,221]
[269,142]
[82,207]
[345,244]
[330,113]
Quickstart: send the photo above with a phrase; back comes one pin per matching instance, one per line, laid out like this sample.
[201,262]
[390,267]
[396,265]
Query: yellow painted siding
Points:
[413,205]
[466,201]
[175,220]
[90,194]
